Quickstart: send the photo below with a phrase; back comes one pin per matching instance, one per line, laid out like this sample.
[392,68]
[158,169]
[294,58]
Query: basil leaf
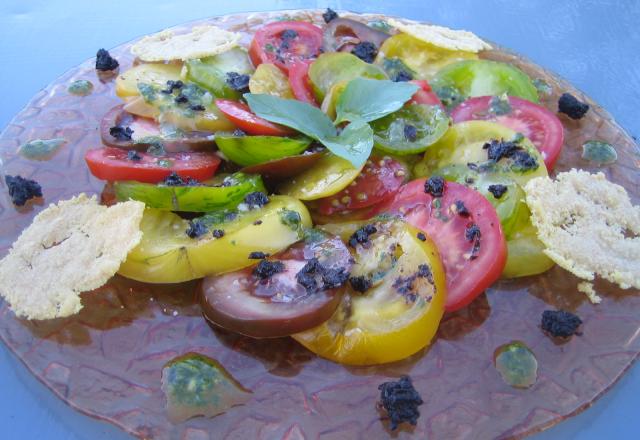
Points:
[298,115]
[370,99]
[353,144]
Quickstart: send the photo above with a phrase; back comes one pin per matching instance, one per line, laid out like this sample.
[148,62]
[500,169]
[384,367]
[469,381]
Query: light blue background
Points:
[595,44]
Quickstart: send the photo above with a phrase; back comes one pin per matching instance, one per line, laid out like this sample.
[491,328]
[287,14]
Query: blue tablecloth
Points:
[595,44]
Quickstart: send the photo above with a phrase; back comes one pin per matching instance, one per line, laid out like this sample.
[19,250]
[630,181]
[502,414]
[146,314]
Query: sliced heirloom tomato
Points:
[535,122]
[112,164]
[300,83]
[268,79]
[343,34]
[466,229]
[253,304]
[242,116]
[328,176]
[149,73]
[459,81]
[399,302]
[471,144]
[412,129]
[380,178]
[211,72]
[191,198]
[146,132]
[284,43]
[421,57]
[167,255]
[254,150]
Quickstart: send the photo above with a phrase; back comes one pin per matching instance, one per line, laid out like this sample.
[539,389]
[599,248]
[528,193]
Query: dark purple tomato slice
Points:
[535,122]
[283,168]
[292,291]
[117,117]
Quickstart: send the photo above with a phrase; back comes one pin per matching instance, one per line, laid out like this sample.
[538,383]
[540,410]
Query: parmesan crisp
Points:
[201,42]
[69,248]
[443,37]
[588,226]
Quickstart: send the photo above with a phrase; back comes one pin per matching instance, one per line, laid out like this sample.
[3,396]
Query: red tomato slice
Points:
[425,95]
[242,116]
[112,164]
[380,178]
[467,276]
[535,122]
[299,81]
[270,44]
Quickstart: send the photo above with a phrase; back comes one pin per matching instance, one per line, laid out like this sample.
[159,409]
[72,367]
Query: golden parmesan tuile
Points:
[442,37]
[588,226]
[201,42]
[70,247]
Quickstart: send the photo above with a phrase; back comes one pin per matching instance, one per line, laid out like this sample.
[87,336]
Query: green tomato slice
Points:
[211,72]
[328,176]
[456,82]
[254,150]
[331,68]
[391,133]
[167,255]
[200,198]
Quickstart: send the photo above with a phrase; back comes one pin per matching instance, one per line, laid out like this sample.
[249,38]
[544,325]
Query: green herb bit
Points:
[516,364]
[196,385]
[542,86]
[599,152]
[499,105]
[166,163]
[147,91]
[380,25]
[313,235]
[291,219]
[269,47]
[450,96]
[80,87]
[41,149]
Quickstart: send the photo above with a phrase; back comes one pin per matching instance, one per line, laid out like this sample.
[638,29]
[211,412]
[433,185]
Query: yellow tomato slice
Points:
[423,58]
[269,80]
[167,255]
[396,317]
[152,73]
[329,175]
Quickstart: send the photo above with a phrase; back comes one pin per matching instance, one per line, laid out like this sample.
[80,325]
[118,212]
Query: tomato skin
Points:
[306,45]
[425,95]
[466,278]
[111,164]
[535,122]
[299,81]
[380,178]
[242,116]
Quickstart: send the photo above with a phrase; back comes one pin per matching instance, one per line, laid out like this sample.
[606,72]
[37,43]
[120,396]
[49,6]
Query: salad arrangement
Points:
[346,184]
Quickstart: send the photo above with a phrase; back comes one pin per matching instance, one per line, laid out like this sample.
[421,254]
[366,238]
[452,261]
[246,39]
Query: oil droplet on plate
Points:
[516,364]
[196,385]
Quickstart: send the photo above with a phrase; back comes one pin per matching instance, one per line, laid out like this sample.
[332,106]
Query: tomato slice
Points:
[294,299]
[247,121]
[381,177]
[539,125]
[112,164]
[425,95]
[300,84]
[469,271]
[284,43]
[394,300]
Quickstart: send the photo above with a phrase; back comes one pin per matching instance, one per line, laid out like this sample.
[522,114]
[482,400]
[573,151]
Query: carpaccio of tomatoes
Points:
[404,201]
